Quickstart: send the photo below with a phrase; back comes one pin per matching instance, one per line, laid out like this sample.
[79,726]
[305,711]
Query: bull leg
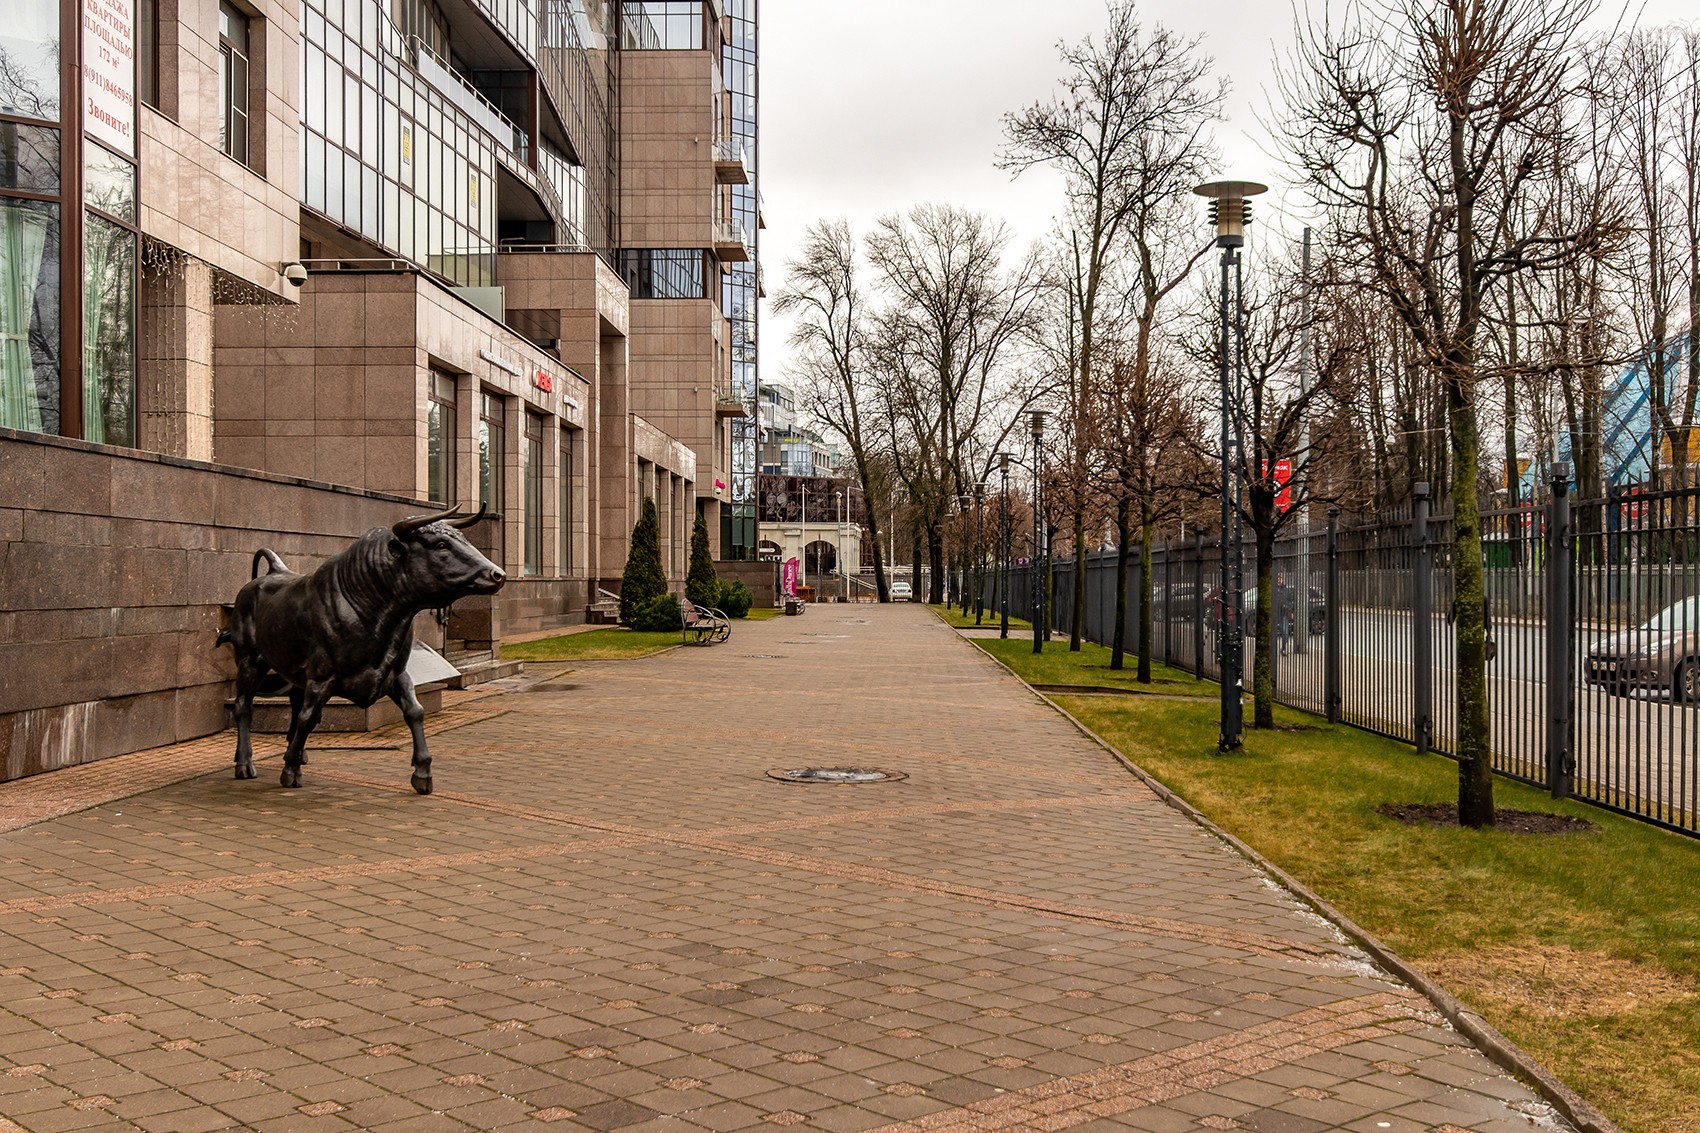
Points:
[302,723]
[249,673]
[295,695]
[402,694]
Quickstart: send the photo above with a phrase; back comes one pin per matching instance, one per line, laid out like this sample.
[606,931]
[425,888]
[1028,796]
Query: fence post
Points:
[1560,547]
[1422,622]
[1331,614]
[1198,602]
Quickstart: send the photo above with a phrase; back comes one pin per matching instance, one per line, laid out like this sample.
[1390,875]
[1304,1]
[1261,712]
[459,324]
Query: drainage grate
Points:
[836,775]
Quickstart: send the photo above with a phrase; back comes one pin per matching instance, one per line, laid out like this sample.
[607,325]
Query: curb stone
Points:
[1501,1050]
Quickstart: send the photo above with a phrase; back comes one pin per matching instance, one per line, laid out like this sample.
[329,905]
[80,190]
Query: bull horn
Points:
[468,521]
[403,527]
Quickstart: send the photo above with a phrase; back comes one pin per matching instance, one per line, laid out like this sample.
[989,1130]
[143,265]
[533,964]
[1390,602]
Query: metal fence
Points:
[1593,609]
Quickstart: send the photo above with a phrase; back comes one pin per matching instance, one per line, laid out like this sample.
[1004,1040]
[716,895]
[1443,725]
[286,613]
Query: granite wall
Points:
[113,567]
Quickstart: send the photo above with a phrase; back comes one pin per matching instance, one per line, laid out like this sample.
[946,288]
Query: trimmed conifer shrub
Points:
[660,614]
[702,585]
[644,578]
[736,599]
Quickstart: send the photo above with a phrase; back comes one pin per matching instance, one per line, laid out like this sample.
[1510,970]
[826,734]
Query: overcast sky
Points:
[872,107]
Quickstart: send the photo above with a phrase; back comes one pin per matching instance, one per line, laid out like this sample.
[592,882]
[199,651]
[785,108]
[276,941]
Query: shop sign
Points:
[500,363]
[109,73]
[543,381]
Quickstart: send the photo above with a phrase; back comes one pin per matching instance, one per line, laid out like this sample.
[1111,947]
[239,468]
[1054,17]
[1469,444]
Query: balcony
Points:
[728,404]
[731,244]
[731,167]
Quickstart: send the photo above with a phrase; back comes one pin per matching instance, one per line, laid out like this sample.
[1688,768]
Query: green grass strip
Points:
[1584,949]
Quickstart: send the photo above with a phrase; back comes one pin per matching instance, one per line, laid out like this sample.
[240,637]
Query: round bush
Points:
[659,615]
[736,599]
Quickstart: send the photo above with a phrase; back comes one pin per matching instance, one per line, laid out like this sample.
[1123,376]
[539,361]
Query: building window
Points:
[566,490]
[233,82]
[31,86]
[664,25]
[109,332]
[490,452]
[440,439]
[29,315]
[533,494]
[664,273]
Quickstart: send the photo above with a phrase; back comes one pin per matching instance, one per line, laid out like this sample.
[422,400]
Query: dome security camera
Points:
[294,274]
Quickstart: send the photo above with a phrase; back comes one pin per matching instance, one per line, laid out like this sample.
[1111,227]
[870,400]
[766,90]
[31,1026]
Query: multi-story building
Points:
[352,257]
[789,445]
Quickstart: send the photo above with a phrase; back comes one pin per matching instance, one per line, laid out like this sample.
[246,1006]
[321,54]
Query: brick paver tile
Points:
[582,929]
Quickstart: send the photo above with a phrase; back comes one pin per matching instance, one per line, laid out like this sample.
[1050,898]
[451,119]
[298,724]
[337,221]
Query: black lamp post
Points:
[1003,529]
[1039,549]
[1230,209]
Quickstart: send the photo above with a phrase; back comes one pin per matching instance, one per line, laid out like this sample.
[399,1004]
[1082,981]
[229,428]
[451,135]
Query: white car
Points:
[902,592]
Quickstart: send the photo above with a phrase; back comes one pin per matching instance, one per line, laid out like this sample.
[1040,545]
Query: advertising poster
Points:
[109,73]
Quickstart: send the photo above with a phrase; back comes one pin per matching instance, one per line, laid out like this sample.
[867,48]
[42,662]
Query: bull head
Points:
[403,527]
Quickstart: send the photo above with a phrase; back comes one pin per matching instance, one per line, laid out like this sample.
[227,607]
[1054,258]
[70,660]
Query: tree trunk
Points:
[1475,755]
[1263,661]
[1146,578]
[935,562]
[1078,618]
[915,562]
[1118,638]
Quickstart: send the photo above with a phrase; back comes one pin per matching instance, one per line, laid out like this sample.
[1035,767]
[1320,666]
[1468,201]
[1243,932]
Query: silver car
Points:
[902,592]
[1661,654]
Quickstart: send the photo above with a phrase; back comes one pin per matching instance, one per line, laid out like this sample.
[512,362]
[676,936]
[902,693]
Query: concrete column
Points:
[175,356]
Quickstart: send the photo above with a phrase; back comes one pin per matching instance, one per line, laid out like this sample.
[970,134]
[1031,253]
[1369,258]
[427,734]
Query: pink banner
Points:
[788,577]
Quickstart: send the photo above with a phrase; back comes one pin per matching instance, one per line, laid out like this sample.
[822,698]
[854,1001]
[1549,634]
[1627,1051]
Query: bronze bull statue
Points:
[347,629]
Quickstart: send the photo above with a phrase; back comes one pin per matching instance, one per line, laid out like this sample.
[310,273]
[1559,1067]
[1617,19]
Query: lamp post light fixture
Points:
[1003,530]
[1037,427]
[1230,209]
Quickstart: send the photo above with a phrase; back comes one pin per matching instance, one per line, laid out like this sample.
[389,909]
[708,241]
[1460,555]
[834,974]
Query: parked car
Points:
[1318,612]
[1661,654]
[902,592]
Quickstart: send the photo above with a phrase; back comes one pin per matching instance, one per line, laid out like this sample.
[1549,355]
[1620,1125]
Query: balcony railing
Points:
[731,163]
[731,243]
[455,87]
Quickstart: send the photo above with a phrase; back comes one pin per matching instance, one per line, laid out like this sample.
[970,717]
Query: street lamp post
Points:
[1038,430]
[838,551]
[1003,528]
[1230,208]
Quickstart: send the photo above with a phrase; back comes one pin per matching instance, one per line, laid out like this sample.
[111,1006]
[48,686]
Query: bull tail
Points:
[274,564]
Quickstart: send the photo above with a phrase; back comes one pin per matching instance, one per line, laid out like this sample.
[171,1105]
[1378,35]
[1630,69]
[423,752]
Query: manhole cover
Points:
[764,656]
[836,775]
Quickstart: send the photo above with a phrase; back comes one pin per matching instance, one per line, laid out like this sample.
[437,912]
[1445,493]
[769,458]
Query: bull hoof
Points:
[291,777]
[422,783]
[245,770]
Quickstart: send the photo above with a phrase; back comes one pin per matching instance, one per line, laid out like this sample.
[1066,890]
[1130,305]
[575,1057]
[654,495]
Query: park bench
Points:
[704,625]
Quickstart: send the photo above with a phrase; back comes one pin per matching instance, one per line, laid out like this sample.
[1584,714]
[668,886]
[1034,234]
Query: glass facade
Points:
[665,273]
[233,82]
[533,493]
[665,25]
[565,476]
[413,147]
[68,266]
[738,299]
[440,438]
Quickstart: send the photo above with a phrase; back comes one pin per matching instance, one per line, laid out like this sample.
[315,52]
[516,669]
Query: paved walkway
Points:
[609,917]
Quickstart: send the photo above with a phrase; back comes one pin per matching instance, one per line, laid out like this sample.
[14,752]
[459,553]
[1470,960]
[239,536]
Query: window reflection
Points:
[663,25]
[109,183]
[109,332]
[29,316]
[29,158]
[29,59]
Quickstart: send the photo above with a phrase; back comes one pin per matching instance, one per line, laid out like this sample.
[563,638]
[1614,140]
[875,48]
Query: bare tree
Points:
[948,342]
[823,291]
[1418,125]
[1125,130]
